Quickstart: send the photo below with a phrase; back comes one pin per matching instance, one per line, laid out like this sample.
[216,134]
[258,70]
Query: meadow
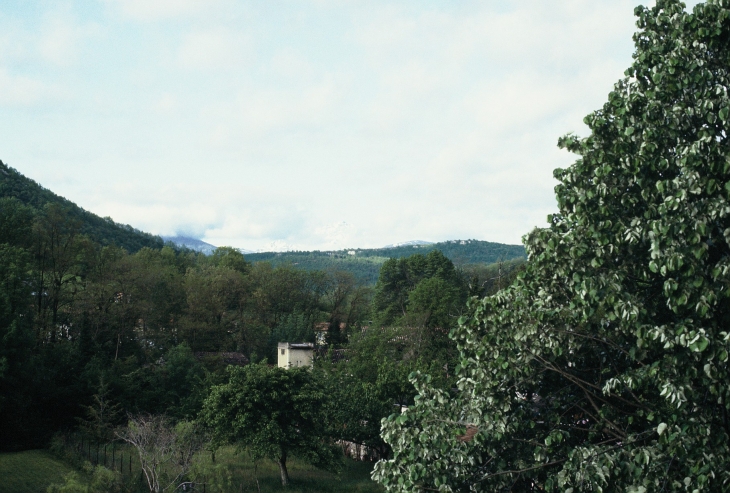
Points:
[30,471]
[232,472]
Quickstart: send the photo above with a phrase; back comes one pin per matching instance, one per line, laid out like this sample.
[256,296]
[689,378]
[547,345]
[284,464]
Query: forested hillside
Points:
[92,310]
[365,263]
[101,230]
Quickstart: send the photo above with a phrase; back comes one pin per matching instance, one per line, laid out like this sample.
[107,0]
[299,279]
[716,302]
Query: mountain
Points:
[191,243]
[409,243]
[102,230]
[365,263]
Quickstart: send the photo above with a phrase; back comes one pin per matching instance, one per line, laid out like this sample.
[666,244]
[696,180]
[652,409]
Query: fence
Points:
[115,456]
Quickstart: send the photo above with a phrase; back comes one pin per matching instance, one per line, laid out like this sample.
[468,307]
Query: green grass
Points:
[31,471]
[235,472]
[34,470]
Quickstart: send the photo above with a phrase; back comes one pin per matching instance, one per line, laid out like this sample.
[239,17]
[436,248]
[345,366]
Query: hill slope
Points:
[365,263]
[101,230]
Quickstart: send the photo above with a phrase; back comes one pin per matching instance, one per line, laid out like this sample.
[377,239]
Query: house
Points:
[295,354]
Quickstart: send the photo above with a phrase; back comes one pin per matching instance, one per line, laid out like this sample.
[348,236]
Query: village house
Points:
[295,354]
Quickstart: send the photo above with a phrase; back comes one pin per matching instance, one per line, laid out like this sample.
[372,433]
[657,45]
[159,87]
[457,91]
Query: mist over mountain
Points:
[191,243]
[364,263]
[409,243]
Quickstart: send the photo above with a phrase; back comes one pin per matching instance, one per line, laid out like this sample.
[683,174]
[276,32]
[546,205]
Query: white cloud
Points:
[58,42]
[214,48]
[284,125]
[155,10]
[19,90]
[167,103]
[258,110]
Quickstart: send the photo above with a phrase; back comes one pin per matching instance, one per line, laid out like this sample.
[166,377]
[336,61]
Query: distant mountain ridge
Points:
[191,243]
[409,243]
[365,263]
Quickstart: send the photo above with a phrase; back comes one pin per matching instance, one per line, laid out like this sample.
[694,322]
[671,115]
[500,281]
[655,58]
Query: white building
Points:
[295,354]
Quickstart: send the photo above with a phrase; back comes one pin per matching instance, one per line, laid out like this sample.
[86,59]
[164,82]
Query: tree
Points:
[230,257]
[16,220]
[274,413]
[101,415]
[166,451]
[60,252]
[604,367]
[398,277]
[97,479]
[362,391]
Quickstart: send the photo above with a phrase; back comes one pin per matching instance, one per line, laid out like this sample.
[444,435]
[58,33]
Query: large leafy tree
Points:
[604,367]
[274,413]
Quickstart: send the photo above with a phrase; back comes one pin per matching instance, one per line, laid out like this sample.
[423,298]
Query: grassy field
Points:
[33,471]
[235,472]
[30,472]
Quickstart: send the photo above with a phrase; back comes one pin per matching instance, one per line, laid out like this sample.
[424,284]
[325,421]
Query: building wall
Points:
[293,357]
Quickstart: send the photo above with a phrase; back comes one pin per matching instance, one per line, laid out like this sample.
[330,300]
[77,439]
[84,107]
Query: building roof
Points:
[296,345]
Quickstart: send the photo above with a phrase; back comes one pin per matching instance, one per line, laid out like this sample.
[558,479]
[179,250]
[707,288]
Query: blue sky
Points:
[306,124]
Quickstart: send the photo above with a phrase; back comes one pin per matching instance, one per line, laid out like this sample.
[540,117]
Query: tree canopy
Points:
[604,367]
[274,412]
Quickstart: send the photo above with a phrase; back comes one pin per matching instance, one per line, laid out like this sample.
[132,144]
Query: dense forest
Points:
[90,313]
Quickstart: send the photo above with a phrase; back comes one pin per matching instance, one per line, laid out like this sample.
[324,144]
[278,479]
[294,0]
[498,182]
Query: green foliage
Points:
[166,450]
[604,367]
[485,280]
[16,221]
[231,258]
[294,327]
[30,471]
[420,276]
[101,416]
[365,264]
[235,470]
[370,382]
[273,413]
[100,480]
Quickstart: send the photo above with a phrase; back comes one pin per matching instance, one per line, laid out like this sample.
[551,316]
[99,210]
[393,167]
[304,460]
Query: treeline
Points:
[154,330]
[365,263]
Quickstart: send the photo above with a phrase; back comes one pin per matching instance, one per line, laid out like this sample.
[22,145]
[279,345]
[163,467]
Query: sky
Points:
[306,124]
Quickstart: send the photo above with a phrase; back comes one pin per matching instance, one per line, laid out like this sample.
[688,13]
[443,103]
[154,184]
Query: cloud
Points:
[167,103]
[155,10]
[316,124]
[335,236]
[265,110]
[214,48]
[20,90]
[59,42]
